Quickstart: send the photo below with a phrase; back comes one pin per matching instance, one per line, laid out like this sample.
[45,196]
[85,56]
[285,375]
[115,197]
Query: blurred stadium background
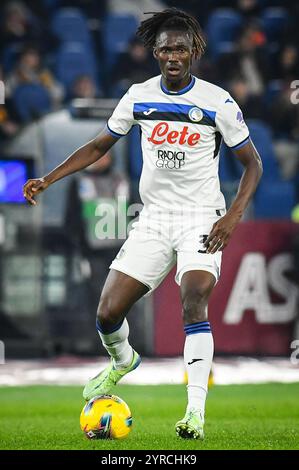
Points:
[64,65]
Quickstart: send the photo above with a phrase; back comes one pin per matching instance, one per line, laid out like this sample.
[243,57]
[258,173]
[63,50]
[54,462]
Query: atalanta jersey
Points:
[181,133]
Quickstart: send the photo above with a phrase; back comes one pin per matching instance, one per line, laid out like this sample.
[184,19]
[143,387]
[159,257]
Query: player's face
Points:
[174,53]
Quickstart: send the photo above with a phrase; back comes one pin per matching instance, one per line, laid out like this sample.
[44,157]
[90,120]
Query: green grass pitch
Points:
[237,417]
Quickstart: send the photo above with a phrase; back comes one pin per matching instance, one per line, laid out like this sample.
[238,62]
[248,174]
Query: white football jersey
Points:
[181,134]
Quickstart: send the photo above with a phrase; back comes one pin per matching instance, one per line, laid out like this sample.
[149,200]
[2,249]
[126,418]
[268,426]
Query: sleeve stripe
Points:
[241,144]
[114,134]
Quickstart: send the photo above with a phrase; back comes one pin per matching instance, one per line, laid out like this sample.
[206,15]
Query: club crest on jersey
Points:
[195,114]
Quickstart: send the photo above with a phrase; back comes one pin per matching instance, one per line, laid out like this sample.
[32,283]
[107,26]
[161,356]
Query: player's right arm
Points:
[81,158]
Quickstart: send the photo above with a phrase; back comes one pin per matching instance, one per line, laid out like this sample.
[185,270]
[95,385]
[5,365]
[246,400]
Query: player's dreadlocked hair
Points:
[171,19]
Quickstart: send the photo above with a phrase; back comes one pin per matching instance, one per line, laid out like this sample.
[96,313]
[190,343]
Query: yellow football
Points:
[106,417]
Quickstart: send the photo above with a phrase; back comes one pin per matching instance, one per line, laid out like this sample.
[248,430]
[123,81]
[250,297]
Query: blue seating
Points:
[262,138]
[31,101]
[222,28]
[274,21]
[273,89]
[228,167]
[274,199]
[10,56]
[117,32]
[51,5]
[74,59]
[69,24]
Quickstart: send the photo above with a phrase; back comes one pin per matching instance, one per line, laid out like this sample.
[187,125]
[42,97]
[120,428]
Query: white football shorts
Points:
[159,240]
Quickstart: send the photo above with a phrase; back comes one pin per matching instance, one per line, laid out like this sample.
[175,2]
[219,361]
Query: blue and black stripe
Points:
[108,331]
[200,327]
[150,111]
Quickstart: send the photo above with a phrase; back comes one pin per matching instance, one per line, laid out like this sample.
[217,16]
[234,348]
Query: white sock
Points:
[117,345]
[198,356]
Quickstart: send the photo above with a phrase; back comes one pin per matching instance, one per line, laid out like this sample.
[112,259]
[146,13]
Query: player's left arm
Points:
[224,227]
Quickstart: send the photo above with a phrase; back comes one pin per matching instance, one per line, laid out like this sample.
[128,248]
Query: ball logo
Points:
[195,114]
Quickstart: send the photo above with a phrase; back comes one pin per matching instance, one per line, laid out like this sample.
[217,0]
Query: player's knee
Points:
[195,303]
[108,313]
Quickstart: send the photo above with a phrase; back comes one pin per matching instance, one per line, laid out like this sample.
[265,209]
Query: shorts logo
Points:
[195,114]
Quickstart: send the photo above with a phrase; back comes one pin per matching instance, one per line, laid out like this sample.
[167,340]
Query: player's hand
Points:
[221,232]
[33,187]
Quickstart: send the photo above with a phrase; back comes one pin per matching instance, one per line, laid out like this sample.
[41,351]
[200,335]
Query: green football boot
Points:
[191,426]
[102,383]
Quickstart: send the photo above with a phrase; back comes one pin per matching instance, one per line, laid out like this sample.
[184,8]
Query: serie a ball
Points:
[106,417]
